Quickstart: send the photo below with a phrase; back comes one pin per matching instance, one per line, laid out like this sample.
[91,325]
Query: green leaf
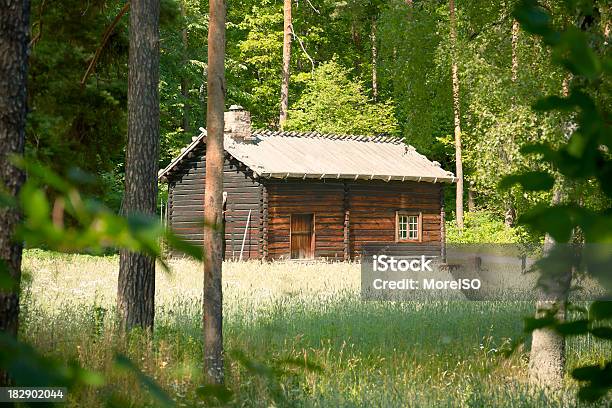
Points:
[602,332]
[554,103]
[534,323]
[530,181]
[42,174]
[35,205]
[587,373]
[592,393]
[557,221]
[601,310]
[176,242]
[7,282]
[545,150]
[576,54]
[573,328]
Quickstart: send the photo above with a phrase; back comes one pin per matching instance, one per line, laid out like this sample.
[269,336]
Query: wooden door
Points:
[302,236]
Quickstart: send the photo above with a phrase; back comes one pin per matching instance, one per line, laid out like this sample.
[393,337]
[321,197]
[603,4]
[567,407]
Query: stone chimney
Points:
[238,124]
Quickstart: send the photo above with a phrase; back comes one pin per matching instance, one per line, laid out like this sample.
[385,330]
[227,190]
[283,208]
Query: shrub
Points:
[484,227]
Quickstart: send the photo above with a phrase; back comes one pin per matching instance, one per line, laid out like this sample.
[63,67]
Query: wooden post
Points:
[264,215]
[246,230]
[347,215]
[442,225]
[260,244]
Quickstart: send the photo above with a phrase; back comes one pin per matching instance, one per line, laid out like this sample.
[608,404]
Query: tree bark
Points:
[471,204]
[213,198]
[374,60]
[510,214]
[457,116]
[14,30]
[284,99]
[547,356]
[184,80]
[136,288]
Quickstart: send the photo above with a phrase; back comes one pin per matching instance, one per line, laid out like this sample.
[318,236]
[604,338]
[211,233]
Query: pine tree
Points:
[14,29]
[213,198]
[136,288]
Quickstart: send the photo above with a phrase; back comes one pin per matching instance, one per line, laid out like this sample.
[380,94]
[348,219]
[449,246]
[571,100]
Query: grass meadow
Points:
[304,323]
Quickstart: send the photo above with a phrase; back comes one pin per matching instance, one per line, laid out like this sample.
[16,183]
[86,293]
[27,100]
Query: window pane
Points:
[402,227]
[413,227]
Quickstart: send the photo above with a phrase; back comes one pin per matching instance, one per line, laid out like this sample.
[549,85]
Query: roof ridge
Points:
[378,138]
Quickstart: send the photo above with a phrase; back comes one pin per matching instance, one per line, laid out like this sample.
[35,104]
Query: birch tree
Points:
[373,38]
[185,58]
[457,115]
[287,33]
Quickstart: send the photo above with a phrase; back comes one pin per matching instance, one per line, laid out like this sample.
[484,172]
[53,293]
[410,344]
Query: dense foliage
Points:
[582,159]
[333,103]
[564,143]
[484,227]
[502,73]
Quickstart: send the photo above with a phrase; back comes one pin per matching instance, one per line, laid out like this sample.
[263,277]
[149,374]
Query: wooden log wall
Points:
[186,205]
[325,200]
[373,206]
[349,215]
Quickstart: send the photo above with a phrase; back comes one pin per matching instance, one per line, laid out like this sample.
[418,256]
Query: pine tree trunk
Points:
[547,356]
[14,29]
[184,80]
[374,60]
[213,198]
[136,288]
[457,116]
[284,99]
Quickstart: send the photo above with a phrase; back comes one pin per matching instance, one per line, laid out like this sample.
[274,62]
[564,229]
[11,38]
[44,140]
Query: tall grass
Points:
[305,320]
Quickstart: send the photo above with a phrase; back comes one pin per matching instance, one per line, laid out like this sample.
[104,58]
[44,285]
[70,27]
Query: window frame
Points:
[419,216]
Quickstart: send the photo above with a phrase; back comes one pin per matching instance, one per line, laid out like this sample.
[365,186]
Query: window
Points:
[408,226]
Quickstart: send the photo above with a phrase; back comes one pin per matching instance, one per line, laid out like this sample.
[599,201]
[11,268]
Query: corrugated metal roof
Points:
[276,154]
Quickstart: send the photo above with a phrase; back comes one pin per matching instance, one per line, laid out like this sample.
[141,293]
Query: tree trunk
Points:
[510,214]
[213,198]
[374,60]
[284,99]
[471,204]
[547,356]
[457,115]
[14,29]
[184,80]
[136,288]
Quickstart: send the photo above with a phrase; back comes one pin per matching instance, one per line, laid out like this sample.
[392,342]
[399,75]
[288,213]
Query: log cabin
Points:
[305,195]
